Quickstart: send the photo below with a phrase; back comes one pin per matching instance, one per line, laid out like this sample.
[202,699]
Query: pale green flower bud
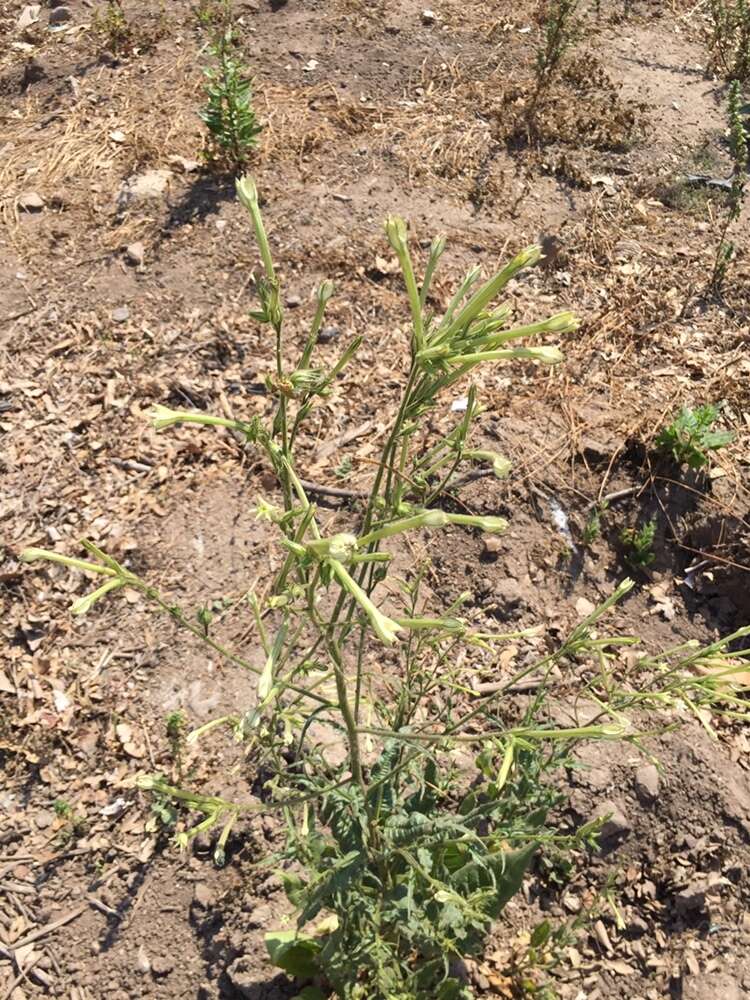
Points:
[501,465]
[32,554]
[247,192]
[395,230]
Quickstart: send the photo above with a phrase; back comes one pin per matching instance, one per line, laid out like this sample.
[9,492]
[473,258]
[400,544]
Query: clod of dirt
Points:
[30,201]
[647,783]
[584,607]
[185,165]
[507,596]
[203,895]
[616,823]
[44,819]
[243,976]
[135,253]
[693,897]
[142,961]
[161,965]
[140,188]
[60,15]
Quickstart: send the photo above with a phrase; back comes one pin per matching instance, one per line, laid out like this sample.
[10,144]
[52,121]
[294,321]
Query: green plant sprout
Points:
[690,437]
[114,28]
[229,114]
[592,529]
[725,252]
[639,544]
[75,825]
[399,857]
[560,33]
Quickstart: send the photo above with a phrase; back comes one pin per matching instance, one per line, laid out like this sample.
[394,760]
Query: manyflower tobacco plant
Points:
[410,869]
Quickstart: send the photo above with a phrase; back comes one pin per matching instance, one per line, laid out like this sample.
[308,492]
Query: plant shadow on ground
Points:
[203,197]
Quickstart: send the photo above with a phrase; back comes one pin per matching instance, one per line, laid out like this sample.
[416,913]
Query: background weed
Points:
[690,437]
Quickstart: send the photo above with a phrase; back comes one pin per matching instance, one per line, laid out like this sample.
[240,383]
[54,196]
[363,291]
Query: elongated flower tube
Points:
[545,355]
[385,628]
[163,417]
[32,555]
[453,626]
[564,322]
[491,525]
[490,289]
[425,519]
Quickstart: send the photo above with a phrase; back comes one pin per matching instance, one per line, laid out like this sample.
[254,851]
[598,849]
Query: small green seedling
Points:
[114,29]
[212,12]
[75,825]
[639,544]
[344,468]
[593,527]
[229,114]
[690,437]
[63,809]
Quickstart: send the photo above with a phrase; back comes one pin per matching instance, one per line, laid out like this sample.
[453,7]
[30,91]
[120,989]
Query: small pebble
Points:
[493,546]
[327,334]
[647,783]
[30,201]
[121,314]
[135,253]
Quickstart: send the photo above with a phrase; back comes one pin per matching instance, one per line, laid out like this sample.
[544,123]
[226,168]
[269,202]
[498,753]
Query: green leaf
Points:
[541,934]
[294,953]
[294,887]
[502,872]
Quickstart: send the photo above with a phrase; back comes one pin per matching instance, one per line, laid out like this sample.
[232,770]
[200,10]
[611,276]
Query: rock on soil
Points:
[647,783]
[616,824]
[60,15]
[135,253]
[142,188]
[30,201]
[29,16]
